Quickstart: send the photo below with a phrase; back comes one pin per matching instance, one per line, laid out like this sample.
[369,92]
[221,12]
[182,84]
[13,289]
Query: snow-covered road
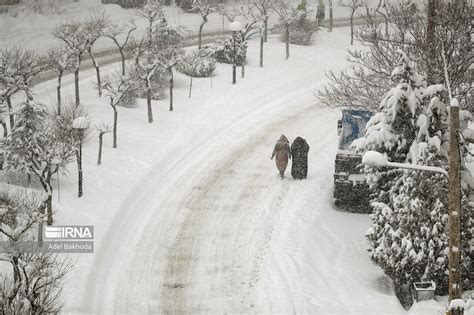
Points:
[190,213]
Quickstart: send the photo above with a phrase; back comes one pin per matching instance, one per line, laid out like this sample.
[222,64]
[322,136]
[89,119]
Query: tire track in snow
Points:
[138,205]
[183,256]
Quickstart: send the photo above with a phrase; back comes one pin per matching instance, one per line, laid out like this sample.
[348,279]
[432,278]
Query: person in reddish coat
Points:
[282,153]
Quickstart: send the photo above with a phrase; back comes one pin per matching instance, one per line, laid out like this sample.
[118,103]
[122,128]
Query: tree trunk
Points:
[97,71]
[352,27]
[265,29]
[148,102]
[171,89]
[16,269]
[242,70]
[58,90]
[122,54]
[49,200]
[430,41]
[40,223]
[330,16]
[5,130]
[79,170]
[287,32]
[11,115]
[115,127]
[99,157]
[76,86]
[50,207]
[201,26]
[454,209]
[190,86]
[261,49]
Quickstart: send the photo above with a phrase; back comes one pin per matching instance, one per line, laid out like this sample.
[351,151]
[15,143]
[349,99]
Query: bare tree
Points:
[74,35]
[147,63]
[114,31]
[287,15]
[20,211]
[353,5]
[170,41]
[264,8]
[43,276]
[252,16]
[229,13]
[17,68]
[60,58]
[152,12]
[204,8]
[102,129]
[35,286]
[381,9]
[366,83]
[115,85]
[94,27]
[3,116]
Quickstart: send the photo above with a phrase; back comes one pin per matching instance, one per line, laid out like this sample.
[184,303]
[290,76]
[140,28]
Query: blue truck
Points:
[351,192]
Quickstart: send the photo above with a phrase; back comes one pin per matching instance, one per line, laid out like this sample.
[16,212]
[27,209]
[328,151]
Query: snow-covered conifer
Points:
[40,145]
[408,237]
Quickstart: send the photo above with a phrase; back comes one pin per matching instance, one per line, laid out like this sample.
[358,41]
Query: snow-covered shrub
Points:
[185,5]
[49,6]
[198,64]
[126,3]
[224,50]
[301,30]
[408,238]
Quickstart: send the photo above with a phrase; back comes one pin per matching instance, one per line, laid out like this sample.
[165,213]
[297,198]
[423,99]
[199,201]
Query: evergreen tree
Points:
[39,144]
[408,238]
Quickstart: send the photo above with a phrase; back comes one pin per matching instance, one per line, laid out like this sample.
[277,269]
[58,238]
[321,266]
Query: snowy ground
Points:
[189,212]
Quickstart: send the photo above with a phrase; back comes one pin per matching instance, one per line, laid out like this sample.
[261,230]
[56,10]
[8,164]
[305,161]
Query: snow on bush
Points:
[223,50]
[408,238]
[198,64]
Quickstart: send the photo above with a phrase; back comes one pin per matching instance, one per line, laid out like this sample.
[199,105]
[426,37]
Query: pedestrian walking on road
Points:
[282,153]
[299,153]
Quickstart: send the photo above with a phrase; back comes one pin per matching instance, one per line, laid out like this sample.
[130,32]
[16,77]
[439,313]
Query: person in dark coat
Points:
[282,153]
[299,152]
